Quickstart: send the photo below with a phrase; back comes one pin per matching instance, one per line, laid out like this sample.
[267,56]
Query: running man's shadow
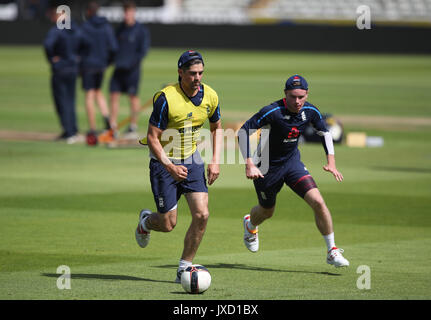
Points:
[252,268]
[112,277]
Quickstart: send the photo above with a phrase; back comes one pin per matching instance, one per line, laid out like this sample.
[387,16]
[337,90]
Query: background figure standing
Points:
[61,48]
[134,42]
[95,59]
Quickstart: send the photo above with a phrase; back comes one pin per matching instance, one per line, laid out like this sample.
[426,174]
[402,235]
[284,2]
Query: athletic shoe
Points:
[179,274]
[336,258]
[251,238]
[75,139]
[130,134]
[142,236]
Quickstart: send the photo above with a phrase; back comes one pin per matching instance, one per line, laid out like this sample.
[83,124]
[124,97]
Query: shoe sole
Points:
[339,266]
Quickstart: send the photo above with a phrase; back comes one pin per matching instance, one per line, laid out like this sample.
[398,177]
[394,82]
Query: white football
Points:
[196,279]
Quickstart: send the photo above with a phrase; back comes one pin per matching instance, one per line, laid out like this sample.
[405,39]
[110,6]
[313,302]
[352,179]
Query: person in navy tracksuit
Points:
[61,48]
[134,42]
[95,59]
[278,162]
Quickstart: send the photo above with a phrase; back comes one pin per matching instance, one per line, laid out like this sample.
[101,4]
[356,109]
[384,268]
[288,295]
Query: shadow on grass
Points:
[252,268]
[112,277]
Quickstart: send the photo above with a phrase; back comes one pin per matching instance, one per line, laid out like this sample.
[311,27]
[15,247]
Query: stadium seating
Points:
[247,11]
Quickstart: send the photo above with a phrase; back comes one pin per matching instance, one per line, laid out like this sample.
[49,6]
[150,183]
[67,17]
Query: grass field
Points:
[78,206]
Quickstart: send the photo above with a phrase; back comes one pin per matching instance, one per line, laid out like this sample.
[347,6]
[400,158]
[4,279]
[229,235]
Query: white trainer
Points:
[251,238]
[142,236]
[336,258]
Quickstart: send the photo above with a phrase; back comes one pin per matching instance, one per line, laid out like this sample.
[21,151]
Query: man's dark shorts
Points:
[293,173]
[125,81]
[167,191]
[92,80]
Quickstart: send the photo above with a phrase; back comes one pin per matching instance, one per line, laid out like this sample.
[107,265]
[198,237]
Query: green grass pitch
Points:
[78,206]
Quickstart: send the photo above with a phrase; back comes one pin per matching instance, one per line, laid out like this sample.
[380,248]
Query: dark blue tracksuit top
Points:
[66,44]
[102,43]
[133,45]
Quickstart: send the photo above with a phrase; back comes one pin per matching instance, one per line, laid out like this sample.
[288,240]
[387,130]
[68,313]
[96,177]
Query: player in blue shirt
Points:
[133,44]
[277,162]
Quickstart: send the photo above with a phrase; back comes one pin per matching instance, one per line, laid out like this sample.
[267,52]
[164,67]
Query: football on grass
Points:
[196,279]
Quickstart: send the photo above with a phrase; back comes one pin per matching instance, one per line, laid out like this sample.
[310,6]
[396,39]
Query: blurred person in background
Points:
[62,47]
[94,60]
[133,44]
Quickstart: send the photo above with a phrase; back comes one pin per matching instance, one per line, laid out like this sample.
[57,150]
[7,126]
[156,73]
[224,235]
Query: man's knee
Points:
[201,216]
[315,200]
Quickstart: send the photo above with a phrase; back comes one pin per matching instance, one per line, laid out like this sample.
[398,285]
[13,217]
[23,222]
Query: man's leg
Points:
[322,215]
[115,105]
[198,204]
[103,107]
[89,107]
[134,111]
[323,220]
[259,214]
[162,222]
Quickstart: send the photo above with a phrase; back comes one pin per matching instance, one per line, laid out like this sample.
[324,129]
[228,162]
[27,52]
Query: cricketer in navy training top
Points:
[284,121]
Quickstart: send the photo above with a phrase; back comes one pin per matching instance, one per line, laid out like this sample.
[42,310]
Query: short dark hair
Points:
[129,5]
[190,63]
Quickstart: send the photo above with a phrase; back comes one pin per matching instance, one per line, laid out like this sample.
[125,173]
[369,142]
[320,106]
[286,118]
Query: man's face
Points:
[295,99]
[129,16]
[191,78]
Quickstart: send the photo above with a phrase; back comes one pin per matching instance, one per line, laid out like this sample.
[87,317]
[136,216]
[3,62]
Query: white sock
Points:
[330,242]
[250,225]
[184,264]
[144,225]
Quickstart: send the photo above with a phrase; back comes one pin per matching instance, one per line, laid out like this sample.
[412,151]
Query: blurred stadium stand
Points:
[397,11]
[318,25]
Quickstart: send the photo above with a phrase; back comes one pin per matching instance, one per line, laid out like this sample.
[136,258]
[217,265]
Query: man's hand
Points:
[332,169]
[213,172]
[179,173]
[251,171]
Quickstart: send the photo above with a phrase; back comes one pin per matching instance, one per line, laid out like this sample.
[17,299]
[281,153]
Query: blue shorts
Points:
[92,79]
[167,191]
[125,81]
[293,173]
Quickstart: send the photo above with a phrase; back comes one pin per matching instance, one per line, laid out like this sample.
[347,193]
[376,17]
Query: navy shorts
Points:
[293,173]
[92,79]
[125,81]
[167,191]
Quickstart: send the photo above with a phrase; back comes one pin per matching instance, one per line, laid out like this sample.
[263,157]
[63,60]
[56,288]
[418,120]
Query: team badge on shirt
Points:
[189,115]
[303,116]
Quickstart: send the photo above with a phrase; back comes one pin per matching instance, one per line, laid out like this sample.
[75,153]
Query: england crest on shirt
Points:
[303,116]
